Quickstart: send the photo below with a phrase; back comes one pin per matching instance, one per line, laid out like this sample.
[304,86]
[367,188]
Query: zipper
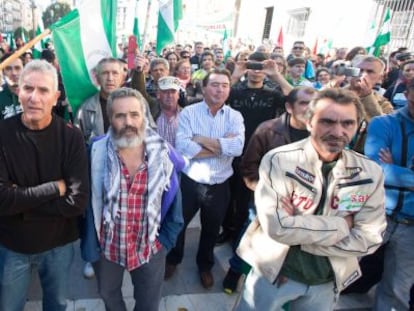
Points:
[307,186]
[319,209]
[356,183]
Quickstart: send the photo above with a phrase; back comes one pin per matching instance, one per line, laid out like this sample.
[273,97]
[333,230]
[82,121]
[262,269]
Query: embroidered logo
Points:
[352,202]
[353,172]
[301,202]
[305,174]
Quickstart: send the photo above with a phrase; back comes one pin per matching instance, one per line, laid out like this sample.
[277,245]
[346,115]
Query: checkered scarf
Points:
[160,169]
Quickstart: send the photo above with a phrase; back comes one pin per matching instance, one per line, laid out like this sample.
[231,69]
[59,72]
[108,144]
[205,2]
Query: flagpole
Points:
[144,37]
[23,49]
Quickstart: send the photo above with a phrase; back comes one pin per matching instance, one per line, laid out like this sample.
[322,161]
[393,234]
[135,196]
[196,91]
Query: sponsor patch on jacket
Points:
[305,174]
[352,202]
[352,172]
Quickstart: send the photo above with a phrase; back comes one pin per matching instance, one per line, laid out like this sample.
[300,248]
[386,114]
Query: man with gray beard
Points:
[135,203]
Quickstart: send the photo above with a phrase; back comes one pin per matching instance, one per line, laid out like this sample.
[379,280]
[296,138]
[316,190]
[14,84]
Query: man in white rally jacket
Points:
[319,208]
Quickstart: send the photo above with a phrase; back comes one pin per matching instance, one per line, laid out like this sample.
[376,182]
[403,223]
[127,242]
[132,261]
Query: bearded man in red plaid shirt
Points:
[135,202]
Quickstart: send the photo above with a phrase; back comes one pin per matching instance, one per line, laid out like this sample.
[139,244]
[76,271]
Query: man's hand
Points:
[198,139]
[270,68]
[62,187]
[361,86]
[208,143]
[385,155]
[139,62]
[349,220]
[287,206]
[229,135]
[281,280]
[336,81]
[239,70]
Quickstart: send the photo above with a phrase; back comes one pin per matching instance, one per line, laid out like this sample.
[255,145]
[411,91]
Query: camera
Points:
[254,65]
[352,72]
[404,56]
[343,69]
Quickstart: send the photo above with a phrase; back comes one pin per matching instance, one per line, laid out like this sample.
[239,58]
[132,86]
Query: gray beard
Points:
[126,142]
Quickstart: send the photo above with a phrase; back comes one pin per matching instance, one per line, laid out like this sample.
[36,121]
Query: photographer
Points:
[257,102]
[371,71]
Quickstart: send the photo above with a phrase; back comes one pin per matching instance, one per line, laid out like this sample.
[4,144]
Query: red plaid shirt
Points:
[129,246]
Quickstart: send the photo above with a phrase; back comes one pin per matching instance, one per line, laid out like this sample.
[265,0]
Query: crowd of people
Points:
[304,163]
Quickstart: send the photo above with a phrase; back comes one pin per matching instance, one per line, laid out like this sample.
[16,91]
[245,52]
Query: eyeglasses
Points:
[298,47]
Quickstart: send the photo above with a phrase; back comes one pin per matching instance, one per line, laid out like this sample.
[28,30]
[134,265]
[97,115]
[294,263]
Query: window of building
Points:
[268,23]
[297,21]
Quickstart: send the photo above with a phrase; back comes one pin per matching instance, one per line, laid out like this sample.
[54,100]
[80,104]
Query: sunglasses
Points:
[298,47]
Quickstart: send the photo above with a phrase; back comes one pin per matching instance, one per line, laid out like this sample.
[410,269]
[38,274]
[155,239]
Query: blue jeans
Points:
[16,271]
[236,263]
[259,294]
[393,292]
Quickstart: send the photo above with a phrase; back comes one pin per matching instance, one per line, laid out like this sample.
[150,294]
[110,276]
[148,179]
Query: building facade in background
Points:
[317,22]
[325,23]
[10,15]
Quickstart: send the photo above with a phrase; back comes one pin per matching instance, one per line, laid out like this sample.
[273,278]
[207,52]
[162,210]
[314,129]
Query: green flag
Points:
[169,15]
[384,35]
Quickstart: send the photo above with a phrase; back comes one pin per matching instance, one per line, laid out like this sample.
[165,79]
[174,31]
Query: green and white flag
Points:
[81,39]
[23,35]
[169,15]
[40,45]
[178,13]
[384,35]
[135,31]
[226,47]
[10,41]
[369,38]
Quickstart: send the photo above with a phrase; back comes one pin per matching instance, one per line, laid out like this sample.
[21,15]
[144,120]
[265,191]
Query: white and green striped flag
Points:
[81,39]
[384,35]
[23,35]
[40,45]
[135,31]
[169,15]
[10,41]
[369,38]
[226,47]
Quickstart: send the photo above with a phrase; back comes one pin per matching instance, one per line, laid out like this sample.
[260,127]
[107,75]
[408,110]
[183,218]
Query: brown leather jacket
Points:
[268,135]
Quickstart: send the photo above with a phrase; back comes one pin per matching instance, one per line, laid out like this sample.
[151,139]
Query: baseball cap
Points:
[169,83]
